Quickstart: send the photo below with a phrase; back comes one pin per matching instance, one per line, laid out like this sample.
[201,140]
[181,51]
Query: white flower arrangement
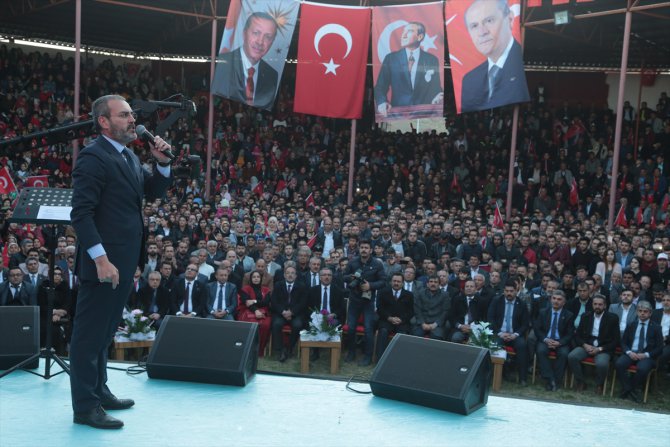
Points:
[137,326]
[481,335]
[322,327]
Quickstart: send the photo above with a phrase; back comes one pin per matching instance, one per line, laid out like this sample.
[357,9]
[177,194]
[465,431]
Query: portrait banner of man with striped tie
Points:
[260,33]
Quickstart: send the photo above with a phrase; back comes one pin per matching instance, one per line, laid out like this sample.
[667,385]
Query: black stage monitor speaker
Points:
[204,350]
[19,335]
[433,373]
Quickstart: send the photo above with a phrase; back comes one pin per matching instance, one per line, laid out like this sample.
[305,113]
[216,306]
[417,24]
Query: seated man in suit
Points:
[289,305]
[329,297]
[467,307]
[625,310]
[581,304]
[662,318]
[641,343]
[221,297]
[42,268]
[311,277]
[499,80]
[396,310]
[597,336]
[189,294]
[554,329]
[509,320]
[431,308]
[154,300]
[32,275]
[270,265]
[16,292]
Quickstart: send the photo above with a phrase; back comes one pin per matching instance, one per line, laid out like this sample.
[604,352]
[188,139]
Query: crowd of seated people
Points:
[417,242]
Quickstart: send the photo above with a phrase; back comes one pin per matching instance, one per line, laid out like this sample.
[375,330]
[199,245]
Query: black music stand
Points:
[44,206]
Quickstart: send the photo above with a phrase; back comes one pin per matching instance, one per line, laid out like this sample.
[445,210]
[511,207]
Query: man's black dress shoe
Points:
[97,418]
[365,361]
[284,356]
[117,404]
[635,395]
[551,386]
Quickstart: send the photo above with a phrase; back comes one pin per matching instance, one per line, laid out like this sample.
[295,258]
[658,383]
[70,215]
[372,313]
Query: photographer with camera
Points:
[364,276]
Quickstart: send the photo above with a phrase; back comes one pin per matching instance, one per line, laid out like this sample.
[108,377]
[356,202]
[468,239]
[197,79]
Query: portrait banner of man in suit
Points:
[408,61]
[485,54]
[253,51]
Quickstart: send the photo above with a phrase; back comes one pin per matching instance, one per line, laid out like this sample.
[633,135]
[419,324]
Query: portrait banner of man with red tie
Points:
[485,53]
[408,61]
[253,50]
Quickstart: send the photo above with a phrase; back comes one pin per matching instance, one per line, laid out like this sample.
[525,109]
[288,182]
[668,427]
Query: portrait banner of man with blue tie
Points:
[408,61]
[485,54]
[253,51]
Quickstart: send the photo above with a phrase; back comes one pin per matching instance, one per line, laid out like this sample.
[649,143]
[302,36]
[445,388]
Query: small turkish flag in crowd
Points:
[6,183]
[620,220]
[37,181]
[309,201]
[332,59]
[258,189]
[497,219]
[574,193]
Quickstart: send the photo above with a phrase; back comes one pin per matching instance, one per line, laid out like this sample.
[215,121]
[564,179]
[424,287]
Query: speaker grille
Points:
[19,335]
[433,373]
[430,365]
[204,350]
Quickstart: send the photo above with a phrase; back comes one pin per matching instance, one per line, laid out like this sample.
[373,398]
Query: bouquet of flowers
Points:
[482,336]
[323,326]
[137,326]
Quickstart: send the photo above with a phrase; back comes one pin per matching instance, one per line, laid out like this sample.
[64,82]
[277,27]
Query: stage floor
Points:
[279,410]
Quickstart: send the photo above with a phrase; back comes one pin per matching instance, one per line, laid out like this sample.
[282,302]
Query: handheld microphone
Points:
[143,133]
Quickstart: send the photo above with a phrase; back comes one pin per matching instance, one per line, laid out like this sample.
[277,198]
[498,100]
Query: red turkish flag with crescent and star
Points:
[332,55]
[37,181]
[6,183]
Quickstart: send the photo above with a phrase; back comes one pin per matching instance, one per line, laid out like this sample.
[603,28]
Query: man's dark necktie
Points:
[152,308]
[494,73]
[288,291]
[219,299]
[324,303]
[508,317]
[410,63]
[250,85]
[314,280]
[554,326]
[641,339]
[130,161]
[470,309]
[188,285]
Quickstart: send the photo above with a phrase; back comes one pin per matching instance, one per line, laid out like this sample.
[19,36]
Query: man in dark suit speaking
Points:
[412,74]
[500,80]
[109,185]
[242,74]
